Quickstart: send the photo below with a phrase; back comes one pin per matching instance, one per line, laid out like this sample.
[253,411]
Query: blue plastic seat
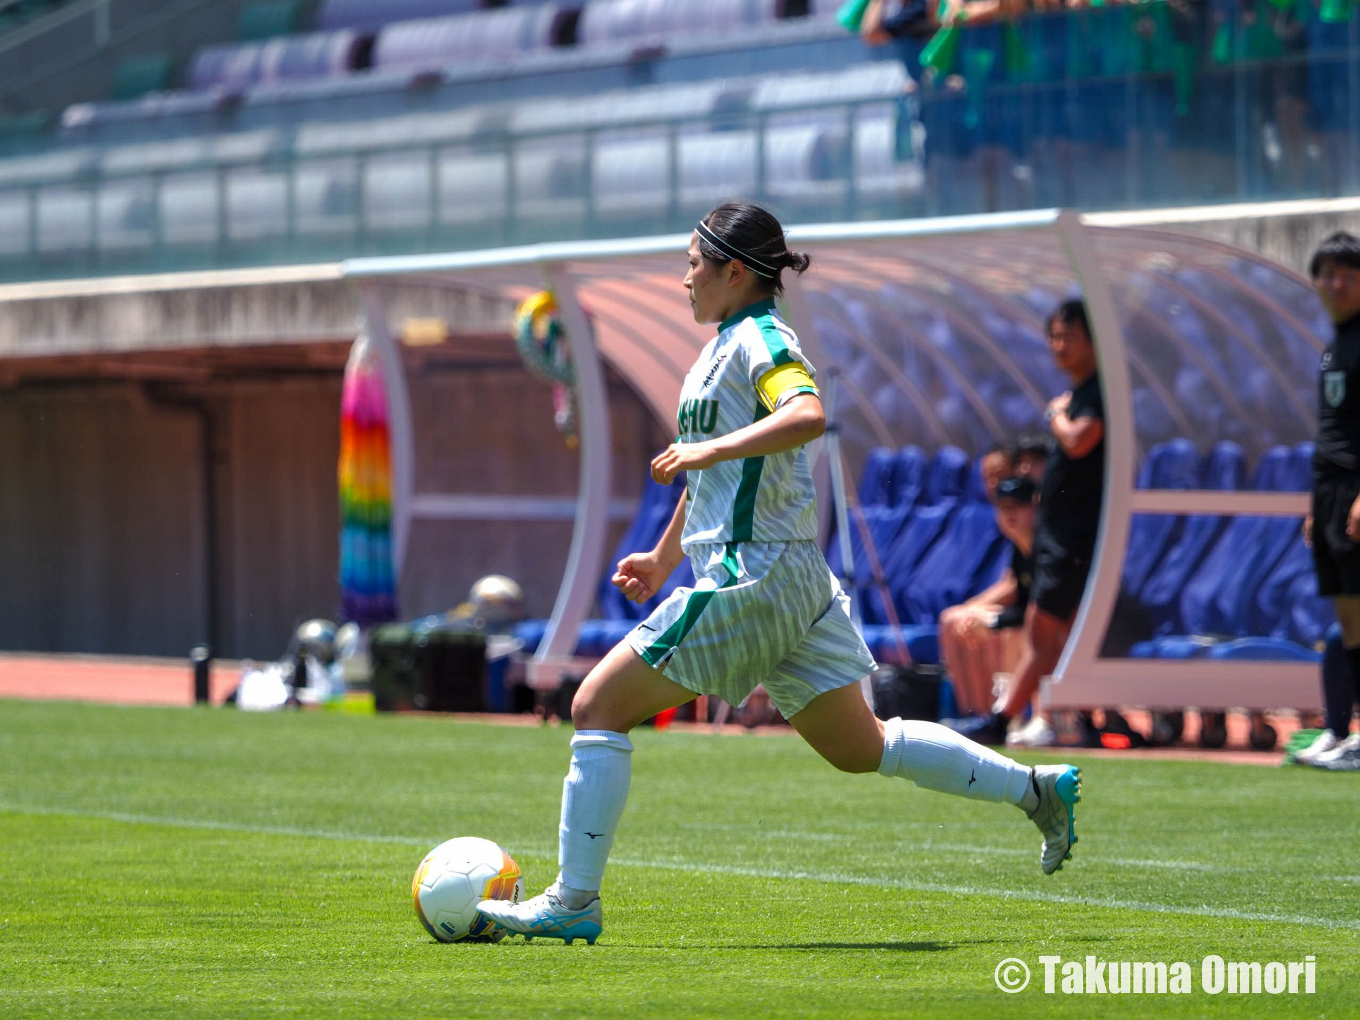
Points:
[1224,470]
[908,480]
[917,529]
[1263,649]
[947,573]
[1171,465]
[875,493]
[655,507]
[885,521]
[922,644]
[1309,615]
[1175,647]
[1217,600]
[593,639]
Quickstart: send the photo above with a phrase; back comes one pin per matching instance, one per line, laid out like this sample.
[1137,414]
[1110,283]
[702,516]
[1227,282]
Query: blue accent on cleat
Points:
[548,917]
[1059,789]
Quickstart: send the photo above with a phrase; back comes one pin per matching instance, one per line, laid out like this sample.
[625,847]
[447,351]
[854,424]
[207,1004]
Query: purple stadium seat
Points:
[1173,465]
[239,65]
[922,643]
[895,487]
[876,480]
[916,529]
[654,21]
[374,14]
[1224,470]
[909,473]
[486,35]
[948,572]
[1262,649]
[1217,600]
[655,508]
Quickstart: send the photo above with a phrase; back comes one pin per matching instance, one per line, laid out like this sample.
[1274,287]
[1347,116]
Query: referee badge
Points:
[1334,387]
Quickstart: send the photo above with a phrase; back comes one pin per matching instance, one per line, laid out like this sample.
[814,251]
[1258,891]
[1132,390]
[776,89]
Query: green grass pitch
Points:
[206,863]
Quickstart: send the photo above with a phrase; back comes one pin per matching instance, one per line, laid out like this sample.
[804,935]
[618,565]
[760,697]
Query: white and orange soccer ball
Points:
[453,878]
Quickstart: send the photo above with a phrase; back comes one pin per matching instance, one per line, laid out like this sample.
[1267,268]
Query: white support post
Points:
[1107,566]
[586,558]
[399,427]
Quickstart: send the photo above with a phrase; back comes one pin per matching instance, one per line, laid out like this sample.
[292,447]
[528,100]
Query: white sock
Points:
[936,758]
[593,795]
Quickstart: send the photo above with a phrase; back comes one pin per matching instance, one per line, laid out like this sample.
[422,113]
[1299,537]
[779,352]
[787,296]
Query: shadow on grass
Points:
[897,947]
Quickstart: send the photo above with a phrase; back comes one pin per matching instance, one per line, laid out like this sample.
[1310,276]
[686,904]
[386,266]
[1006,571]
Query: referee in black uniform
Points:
[1070,496]
[1332,528]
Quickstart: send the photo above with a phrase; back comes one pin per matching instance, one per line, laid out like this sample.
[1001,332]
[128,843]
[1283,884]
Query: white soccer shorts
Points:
[759,612]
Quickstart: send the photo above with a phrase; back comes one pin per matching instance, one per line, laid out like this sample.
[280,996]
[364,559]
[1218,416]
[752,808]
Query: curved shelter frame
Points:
[935,329]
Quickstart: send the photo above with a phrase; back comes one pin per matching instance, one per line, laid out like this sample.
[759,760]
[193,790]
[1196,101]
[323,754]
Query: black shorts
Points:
[1059,582]
[1335,557]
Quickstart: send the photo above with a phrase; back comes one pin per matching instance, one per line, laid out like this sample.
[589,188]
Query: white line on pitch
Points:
[777,874]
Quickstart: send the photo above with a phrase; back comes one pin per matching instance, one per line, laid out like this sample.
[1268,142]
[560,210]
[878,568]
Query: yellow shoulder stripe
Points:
[782,378]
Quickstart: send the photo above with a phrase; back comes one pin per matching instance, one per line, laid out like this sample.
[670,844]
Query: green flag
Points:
[851,14]
[1335,12]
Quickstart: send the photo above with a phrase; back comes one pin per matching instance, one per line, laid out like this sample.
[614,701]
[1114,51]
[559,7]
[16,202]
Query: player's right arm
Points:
[1001,592]
[641,575]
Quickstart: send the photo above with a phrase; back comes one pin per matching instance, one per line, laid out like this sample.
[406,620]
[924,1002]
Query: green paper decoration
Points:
[1018,59]
[942,52]
[977,68]
[851,14]
[1336,12]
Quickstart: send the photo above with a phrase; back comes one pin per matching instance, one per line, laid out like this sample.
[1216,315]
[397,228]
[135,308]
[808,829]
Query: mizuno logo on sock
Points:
[594,835]
[972,778]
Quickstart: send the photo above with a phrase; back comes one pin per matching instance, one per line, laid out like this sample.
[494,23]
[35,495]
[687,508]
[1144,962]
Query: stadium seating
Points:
[1172,465]
[827,128]
[1160,594]
[655,509]
[373,14]
[1247,581]
[502,34]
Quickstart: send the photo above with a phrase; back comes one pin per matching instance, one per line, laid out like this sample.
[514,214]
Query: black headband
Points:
[753,264]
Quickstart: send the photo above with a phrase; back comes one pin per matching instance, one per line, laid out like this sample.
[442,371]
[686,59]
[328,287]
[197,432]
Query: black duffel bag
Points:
[908,692]
[440,669]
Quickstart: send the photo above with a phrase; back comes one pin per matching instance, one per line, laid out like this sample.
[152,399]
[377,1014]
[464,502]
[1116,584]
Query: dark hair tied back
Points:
[749,228]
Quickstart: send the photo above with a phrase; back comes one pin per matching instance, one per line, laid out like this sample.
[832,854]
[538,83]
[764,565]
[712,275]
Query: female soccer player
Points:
[765,608]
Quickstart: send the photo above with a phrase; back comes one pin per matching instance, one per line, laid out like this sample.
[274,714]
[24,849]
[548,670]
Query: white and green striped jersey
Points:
[758,499]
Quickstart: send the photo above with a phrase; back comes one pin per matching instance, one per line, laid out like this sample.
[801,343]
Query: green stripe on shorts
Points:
[655,653]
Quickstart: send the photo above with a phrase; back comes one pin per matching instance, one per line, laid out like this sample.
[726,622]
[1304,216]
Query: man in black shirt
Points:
[1069,516]
[1332,528]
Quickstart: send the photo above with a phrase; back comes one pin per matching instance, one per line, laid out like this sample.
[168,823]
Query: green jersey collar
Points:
[750,311]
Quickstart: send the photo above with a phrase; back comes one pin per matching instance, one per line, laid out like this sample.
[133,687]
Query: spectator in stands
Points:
[997,464]
[970,657]
[886,20]
[981,637]
[1332,527]
[1031,454]
[1069,516]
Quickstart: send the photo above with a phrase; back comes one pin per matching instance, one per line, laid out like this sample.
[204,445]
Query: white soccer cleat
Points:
[1344,757]
[1322,743]
[1035,733]
[548,916]
[1059,789]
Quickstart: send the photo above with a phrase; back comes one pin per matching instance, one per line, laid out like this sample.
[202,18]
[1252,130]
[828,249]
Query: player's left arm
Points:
[796,421]
[1077,436]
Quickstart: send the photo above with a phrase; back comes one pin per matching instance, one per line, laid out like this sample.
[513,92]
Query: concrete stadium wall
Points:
[102,517]
[103,526]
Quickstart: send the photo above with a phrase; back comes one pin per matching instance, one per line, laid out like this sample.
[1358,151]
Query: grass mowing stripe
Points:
[999,851]
[693,867]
